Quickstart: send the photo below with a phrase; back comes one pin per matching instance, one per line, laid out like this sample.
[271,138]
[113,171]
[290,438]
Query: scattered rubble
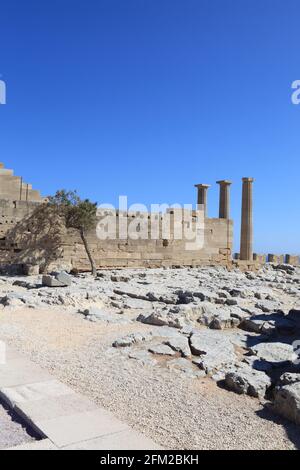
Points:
[207,322]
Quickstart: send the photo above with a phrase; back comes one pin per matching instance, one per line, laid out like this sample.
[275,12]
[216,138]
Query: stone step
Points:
[14,194]
[5,171]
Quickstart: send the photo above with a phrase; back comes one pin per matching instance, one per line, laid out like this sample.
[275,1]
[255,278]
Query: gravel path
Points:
[175,411]
[12,433]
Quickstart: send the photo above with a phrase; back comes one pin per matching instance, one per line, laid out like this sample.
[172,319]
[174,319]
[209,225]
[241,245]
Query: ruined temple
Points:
[26,239]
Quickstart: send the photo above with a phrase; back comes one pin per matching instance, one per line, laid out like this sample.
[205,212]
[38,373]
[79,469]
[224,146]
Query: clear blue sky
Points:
[147,97]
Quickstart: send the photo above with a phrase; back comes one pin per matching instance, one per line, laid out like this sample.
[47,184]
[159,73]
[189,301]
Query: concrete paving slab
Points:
[67,430]
[12,354]
[34,392]
[21,372]
[54,407]
[59,414]
[125,440]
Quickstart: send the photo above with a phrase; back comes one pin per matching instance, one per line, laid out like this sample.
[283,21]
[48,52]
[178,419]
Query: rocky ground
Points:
[196,358]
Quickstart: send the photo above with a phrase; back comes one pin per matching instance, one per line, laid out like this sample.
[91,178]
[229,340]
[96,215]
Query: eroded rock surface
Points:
[206,323]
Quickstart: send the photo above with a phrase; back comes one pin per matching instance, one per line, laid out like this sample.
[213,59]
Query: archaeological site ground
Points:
[149,233]
[165,348]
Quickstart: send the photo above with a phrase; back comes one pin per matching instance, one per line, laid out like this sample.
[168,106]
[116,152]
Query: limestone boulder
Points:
[64,278]
[162,350]
[179,344]
[268,306]
[269,324]
[136,304]
[288,378]
[276,353]
[161,318]
[95,314]
[61,279]
[231,302]
[119,278]
[50,281]
[224,320]
[215,350]
[285,267]
[287,402]
[131,339]
[143,357]
[246,380]
[187,367]
[206,295]
[14,299]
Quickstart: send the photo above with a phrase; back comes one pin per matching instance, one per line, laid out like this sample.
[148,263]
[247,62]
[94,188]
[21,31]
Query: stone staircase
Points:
[14,188]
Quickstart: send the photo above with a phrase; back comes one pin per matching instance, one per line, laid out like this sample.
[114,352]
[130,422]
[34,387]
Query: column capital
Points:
[224,182]
[247,179]
[204,186]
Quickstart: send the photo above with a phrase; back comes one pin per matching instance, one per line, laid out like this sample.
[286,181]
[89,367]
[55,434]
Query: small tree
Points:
[79,214]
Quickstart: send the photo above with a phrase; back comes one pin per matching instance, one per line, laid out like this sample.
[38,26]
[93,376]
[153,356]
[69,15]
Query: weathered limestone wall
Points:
[25,239]
[35,240]
[12,212]
[153,253]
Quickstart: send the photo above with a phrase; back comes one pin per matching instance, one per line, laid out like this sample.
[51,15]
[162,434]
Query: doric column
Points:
[224,200]
[202,196]
[246,249]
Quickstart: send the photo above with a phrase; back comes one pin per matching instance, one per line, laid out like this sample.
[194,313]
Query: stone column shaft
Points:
[202,196]
[224,201]
[246,248]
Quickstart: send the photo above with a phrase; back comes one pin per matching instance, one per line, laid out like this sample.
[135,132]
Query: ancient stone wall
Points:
[25,238]
[154,253]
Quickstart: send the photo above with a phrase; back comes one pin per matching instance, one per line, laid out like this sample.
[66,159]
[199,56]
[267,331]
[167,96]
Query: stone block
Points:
[272,258]
[64,278]
[50,281]
[34,392]
[287,402]
[292,259]
[66,430]
[21,371]
[259,258]
[60,280]
[54,407]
